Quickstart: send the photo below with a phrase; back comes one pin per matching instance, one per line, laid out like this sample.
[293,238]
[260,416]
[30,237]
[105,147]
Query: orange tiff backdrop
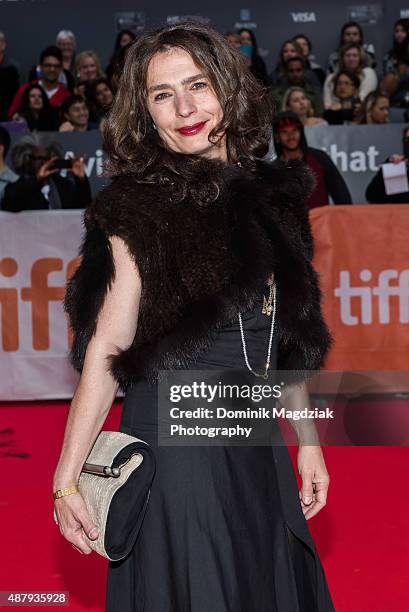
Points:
[362,257]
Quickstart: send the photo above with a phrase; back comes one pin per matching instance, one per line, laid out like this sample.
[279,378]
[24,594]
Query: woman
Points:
[346,88]
[395,81]
[99,96]
[88,66]
[306,47]
[36,111]
[185,237]
[124,38]
[351,32]
[374,110]
[119,66]
[67,44]
[399,46]
[249,47]
[351,58]
[289,48]
[233,39]
[296,100]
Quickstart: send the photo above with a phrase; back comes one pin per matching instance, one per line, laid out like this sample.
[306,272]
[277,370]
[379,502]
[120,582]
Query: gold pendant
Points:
[267,306]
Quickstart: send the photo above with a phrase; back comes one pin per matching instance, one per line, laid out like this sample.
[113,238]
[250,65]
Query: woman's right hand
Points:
[73,516]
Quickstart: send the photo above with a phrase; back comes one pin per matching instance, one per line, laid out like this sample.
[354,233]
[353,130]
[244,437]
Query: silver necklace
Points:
[270,312]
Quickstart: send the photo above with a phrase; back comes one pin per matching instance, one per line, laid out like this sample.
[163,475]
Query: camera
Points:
[62,164]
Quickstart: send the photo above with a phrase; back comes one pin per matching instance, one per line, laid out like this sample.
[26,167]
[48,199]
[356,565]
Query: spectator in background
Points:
[51,64]
[9,79]
[352,59]
[65,76]
[396,84]
[119,67]
[375,192]
[296,100]
[399,46]
[351,32]
[374,110]
[306,49]
[36,110]
[80,88]
[124,37]
[249,47]
[88,67]
[100,97]
[40,186]
[296,76]
[290,143]
[6,174]
[346,88]
[233,39]
[67,44]
[76,115]
[289,48]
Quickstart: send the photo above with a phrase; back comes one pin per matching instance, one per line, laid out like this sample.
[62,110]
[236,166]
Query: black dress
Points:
[224,530]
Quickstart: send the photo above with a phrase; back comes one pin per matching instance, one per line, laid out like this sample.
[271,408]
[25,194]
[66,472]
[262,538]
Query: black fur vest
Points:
[201,260]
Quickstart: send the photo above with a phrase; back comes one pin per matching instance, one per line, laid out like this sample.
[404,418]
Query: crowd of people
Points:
[70,91]
[65,91]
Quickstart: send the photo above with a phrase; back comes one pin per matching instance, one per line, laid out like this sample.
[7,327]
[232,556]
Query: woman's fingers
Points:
[318,501]
[85,521]
[74,522]
[315,480]
[75,536]
[307,490]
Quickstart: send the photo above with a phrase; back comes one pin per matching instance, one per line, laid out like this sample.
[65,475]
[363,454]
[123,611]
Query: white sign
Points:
[395,178]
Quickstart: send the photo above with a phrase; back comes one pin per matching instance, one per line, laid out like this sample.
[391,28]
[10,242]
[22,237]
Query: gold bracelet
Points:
[66,491]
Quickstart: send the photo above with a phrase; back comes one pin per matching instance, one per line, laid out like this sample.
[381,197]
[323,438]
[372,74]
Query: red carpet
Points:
[361,535]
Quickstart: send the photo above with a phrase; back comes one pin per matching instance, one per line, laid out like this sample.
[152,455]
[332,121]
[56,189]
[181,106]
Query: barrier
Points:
[357,151]
[362,256]
[38,253]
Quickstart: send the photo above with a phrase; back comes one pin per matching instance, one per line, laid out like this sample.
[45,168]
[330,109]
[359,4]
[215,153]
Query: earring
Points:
[154,126]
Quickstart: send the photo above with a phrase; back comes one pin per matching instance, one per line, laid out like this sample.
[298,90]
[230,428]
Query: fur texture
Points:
[201,261]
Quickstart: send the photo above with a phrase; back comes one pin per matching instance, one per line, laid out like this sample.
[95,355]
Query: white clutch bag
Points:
[115,482]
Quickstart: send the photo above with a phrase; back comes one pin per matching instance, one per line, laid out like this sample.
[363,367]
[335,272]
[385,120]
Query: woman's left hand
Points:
[315,479]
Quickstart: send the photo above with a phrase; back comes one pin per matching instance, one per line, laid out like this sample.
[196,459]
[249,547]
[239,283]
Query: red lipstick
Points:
[191,130]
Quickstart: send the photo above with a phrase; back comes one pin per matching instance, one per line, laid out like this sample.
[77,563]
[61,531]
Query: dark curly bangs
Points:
[131,143]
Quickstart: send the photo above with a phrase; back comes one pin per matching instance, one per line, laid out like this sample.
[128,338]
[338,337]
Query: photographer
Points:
[376,193]
[40,186]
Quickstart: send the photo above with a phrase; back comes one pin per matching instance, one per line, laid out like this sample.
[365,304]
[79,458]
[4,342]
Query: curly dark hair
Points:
[130,141]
